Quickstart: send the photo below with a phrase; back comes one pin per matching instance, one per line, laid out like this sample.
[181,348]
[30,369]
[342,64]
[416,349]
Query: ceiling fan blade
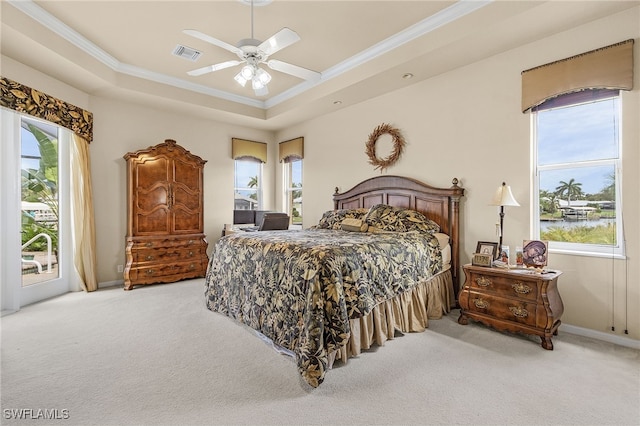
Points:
[294,70]
[215,67]
[214,41]
[283,38]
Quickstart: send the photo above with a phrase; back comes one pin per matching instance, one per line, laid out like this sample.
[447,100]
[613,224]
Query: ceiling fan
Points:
[252,53]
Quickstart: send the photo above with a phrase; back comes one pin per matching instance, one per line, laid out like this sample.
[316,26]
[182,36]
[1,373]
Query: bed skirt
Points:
[407,312]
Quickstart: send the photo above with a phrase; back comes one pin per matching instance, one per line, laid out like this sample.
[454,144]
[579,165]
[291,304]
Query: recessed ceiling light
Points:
[407,76]
[337,102]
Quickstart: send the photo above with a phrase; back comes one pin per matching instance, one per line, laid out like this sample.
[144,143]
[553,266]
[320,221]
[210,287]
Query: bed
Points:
[371,268]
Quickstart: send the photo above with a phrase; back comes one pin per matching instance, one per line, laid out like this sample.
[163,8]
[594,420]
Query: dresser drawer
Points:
[164,255]
[505,286]
[153,272]
[502,308]
[169,243]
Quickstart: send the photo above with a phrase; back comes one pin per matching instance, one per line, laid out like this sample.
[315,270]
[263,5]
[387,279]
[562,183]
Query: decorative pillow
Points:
[398,219]
[354,225]
[332,219]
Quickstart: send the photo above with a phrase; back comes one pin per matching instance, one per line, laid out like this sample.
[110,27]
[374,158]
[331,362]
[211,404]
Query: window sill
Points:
[611,255]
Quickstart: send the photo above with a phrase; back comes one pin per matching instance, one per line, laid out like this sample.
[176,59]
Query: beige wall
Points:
[121,128]
[467,124]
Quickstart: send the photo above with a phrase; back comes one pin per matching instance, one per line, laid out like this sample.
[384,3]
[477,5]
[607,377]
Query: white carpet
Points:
[156,355]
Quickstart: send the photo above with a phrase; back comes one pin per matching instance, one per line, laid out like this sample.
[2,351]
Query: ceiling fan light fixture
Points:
[248,72]
[261,91]
[253,52]
[240,79]
[262,76]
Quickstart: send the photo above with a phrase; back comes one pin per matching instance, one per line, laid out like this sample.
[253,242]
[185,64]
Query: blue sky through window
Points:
[586,132]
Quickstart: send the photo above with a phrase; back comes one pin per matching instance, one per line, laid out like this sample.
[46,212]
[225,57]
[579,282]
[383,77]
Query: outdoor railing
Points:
[35,262]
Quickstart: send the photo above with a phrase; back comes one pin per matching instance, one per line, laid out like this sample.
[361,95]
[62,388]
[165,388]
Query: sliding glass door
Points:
[35,210]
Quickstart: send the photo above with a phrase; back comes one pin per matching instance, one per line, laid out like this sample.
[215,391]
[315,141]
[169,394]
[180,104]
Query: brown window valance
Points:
[242,149]
[291,150]
[24,99]
[609,67]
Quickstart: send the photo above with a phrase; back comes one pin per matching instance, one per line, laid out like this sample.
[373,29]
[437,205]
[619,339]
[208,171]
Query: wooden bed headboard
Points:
[438,204]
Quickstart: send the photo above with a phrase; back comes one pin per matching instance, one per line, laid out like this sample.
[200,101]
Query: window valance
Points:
[291,150]
[609,67]
[242,149]
[24,99]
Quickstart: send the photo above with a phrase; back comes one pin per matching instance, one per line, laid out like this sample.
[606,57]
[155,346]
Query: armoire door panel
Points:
[186,173]
[186,197]
[156,222]
[150,171]
[157,196]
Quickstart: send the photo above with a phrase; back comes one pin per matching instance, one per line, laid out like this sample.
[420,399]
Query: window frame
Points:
[258,189]
[13,294]
[566,101]
[287,182]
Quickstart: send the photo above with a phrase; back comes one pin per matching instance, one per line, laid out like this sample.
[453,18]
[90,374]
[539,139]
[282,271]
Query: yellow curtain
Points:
[291,150]
[244,149]
[84,235]
[609,67]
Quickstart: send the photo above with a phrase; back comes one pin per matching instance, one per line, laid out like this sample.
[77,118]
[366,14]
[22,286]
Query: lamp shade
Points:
[504,197]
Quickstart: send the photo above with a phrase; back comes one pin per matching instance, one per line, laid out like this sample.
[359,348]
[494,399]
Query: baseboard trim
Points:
[599,335]
[116,283]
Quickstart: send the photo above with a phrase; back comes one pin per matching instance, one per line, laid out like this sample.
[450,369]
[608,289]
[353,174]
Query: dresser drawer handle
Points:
[149,245]
[521,288]
[483,281]
[190,254]
[192,266]
[149,257]
[151,271]
[482,304]
[518,311]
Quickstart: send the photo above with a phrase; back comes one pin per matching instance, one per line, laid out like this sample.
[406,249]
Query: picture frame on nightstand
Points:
[482,259]
[487,247]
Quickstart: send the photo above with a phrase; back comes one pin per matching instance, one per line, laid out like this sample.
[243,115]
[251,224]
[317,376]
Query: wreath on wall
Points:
[398,145]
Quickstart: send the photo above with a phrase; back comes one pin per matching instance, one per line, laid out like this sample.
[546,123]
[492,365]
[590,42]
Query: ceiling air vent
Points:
[187,53]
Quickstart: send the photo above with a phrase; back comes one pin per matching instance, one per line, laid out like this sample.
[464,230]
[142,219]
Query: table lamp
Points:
[503,197]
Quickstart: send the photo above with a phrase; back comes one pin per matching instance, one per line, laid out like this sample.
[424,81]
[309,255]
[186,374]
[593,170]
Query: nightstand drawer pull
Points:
[521,288]
[518,311]
[151,271]
[482,304]
[483,281]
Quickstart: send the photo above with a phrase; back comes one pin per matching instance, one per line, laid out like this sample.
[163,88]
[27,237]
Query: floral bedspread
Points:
[300,288]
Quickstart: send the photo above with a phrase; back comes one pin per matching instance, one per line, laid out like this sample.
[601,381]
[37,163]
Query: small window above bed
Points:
[247,185]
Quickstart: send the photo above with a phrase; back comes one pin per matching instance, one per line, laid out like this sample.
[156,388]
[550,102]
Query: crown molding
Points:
[445,16]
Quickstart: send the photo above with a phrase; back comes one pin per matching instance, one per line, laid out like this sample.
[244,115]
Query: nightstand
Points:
[514,300]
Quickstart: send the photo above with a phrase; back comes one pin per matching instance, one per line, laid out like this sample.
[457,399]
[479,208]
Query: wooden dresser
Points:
[512,300]
[165,239]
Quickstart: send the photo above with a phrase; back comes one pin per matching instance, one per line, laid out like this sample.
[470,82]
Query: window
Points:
[292,177]
[577,169]
[248,185]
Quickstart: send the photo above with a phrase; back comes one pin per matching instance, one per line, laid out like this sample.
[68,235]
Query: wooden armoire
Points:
[165,239]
